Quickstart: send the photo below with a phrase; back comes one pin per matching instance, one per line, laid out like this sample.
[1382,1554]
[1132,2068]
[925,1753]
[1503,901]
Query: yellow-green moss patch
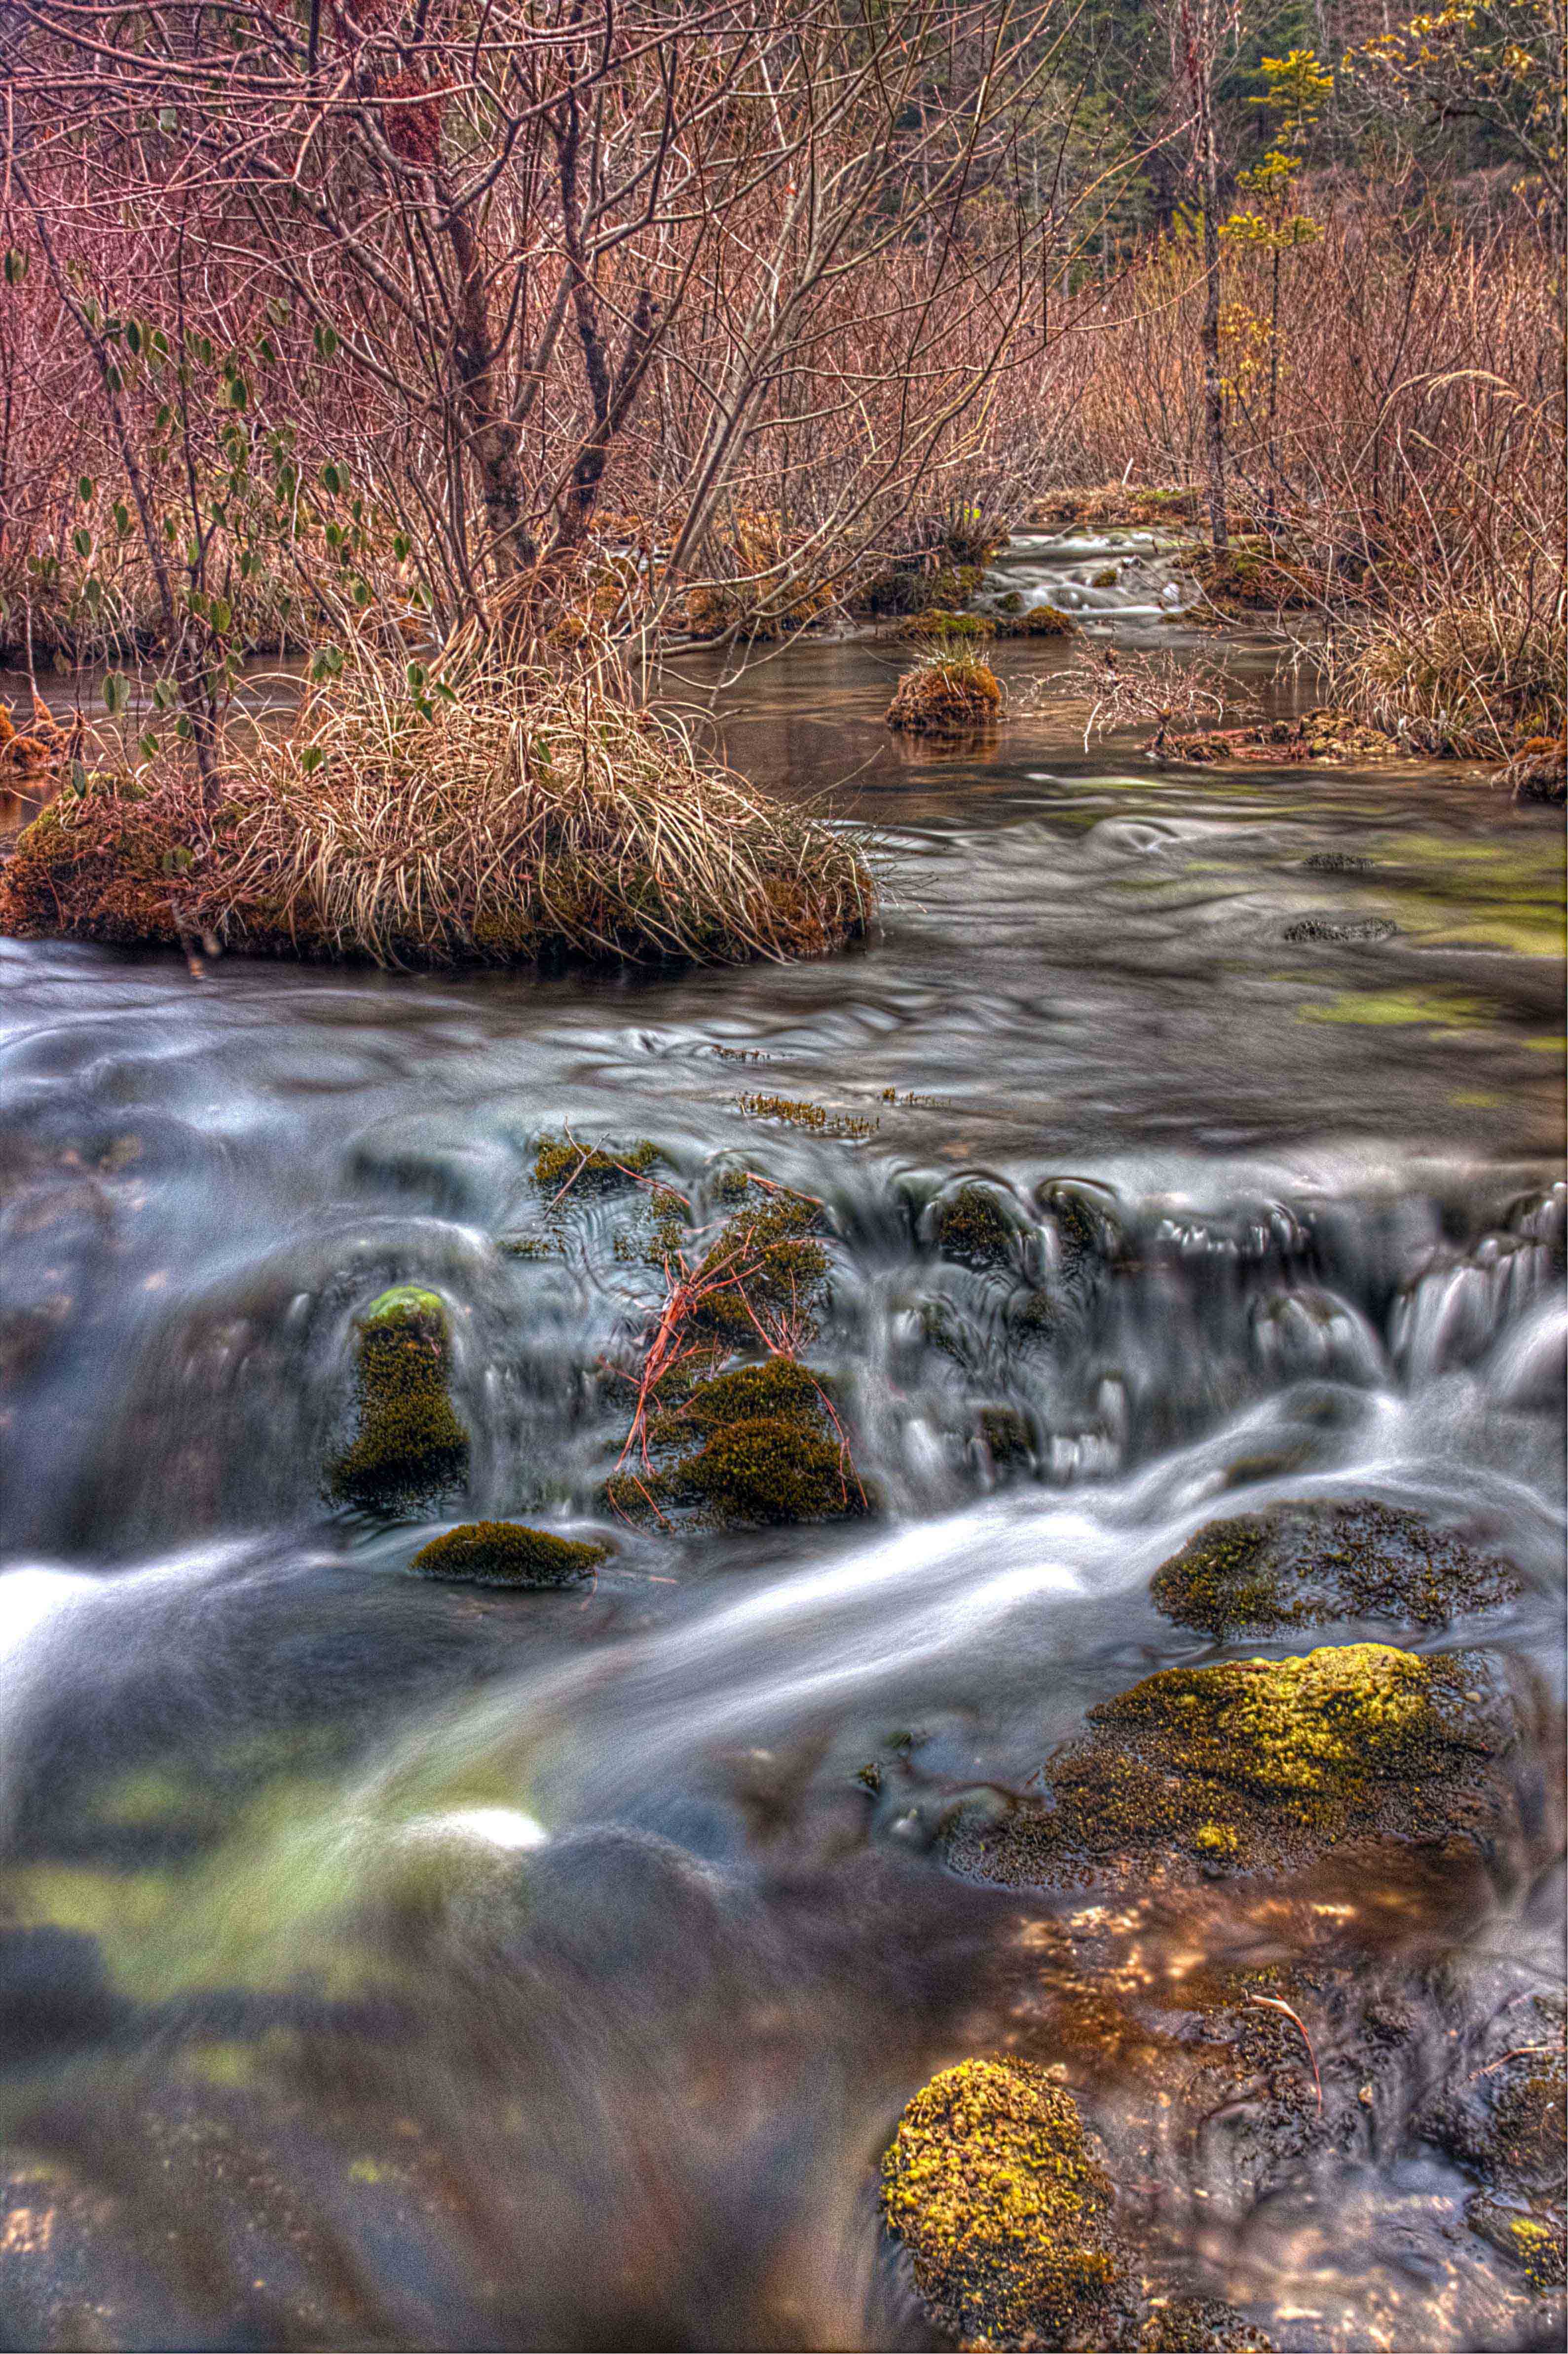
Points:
[560,1161]
[505,1552]
[972,1228]
[1261,1765]
[1005,2213]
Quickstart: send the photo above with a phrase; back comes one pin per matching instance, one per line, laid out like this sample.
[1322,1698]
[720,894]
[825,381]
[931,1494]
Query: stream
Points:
[392,1963]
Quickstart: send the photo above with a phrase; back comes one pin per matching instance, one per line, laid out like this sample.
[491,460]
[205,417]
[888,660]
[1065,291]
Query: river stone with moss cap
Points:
[1004,2211]
[410,1445]
[1261,1764]
[972,1228]
[505,1552]
[1306,1565]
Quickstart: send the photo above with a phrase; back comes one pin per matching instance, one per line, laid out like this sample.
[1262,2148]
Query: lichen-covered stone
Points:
[1260,1765]
[1008,1438]
[1005,2213]
[505,1552]
[409,1446]
[1306,1565]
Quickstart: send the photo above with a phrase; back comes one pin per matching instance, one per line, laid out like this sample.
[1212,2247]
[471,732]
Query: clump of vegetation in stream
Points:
[1303,1565]
[1015,620]
[505,1552]
[1477,677]
[1006,2215]
[1259,1765]
[409,1446]
[486,809]
[814,1117]
[1324,736]
[951,692]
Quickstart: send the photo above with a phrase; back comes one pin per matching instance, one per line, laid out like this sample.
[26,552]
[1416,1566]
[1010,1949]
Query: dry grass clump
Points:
[1464,677]
[495,810]
[948,694]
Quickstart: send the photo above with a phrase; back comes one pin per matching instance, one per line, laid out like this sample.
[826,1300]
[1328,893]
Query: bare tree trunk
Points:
[1202,70]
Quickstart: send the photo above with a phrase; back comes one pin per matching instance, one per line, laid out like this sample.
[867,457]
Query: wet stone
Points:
[1307,1565]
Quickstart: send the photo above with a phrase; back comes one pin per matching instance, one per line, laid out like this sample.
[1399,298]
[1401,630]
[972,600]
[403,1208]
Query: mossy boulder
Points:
[1327,739]
[1260,1765]
[937,623]
[1306,1565]
[1007,1437]
[505,1552]
[972,1228]
[766,1450]
[409,1446]
[1006,2216]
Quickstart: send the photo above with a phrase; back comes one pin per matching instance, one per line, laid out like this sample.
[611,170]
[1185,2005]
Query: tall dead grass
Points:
[491,810]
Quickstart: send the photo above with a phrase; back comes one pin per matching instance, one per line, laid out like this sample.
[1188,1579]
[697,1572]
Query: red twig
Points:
[1274,2003]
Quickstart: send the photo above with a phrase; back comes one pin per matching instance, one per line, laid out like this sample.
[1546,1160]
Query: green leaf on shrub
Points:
[84,488]
[310,760]
[116,693]
[81,540]
[15,265]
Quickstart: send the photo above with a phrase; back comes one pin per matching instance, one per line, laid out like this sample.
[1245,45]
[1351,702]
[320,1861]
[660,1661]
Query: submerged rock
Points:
[1306,1565]
[410,1445]
[1259,1765]
[505,1552]
[1504,2124]
[990,2187]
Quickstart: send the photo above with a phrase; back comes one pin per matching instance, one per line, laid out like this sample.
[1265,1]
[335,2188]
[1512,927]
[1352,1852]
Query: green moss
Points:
[409,1446]
[1304,1565]
[972,1228]
[1258,1764]
[772,1470]
[503,1553]
[939,625]
[781,1386]
[947,692]
[560,1161]
[1005,2214]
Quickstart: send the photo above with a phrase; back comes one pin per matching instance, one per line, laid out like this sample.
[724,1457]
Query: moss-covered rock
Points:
[409,1446]
[767,1451]
[1007,1437]
[505,1552]
[1327,739]
[936,624]
[973,1229]
[560,1161]
[1260,1765]
[1306,1565]
[1036,622]
[988,2184]
[768,1260]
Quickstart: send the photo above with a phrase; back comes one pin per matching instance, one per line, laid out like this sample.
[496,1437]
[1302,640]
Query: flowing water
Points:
[384,1963]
